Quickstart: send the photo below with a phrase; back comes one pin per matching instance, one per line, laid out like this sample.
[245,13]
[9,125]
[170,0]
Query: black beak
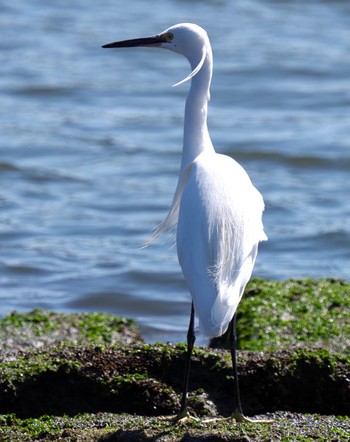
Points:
[147,41]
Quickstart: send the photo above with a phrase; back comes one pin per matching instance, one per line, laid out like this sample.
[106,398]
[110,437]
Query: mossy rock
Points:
[115,394]
[74,376]
[147,380]
[40,328]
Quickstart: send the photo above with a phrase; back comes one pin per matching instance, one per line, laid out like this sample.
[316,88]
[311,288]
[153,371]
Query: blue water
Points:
[90,145]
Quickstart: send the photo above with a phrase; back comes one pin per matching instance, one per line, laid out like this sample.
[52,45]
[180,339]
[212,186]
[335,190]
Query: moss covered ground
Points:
[89,377]
[275,315]
[40,328]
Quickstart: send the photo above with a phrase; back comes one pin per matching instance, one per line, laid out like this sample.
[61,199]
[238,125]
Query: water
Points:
[90,147]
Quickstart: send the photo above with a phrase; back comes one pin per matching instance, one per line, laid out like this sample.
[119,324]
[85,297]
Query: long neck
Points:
[196,136]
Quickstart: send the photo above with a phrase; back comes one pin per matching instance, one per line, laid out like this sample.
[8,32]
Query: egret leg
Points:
[237,408]
[237,414]
[191,337]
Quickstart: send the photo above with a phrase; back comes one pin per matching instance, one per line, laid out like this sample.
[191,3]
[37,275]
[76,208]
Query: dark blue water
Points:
[90,145]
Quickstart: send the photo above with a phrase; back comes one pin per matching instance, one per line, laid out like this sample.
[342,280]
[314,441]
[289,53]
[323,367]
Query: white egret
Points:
[217,210]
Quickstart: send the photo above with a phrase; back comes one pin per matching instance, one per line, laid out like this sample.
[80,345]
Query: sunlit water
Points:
[91,141]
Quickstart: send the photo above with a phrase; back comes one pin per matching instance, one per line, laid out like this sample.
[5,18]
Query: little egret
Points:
[217,210]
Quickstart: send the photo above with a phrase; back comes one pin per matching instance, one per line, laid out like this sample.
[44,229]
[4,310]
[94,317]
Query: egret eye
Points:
[170,36]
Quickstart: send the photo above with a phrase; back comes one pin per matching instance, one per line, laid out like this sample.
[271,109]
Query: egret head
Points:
[186,39]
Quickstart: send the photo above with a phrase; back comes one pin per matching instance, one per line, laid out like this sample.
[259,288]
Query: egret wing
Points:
[219,228]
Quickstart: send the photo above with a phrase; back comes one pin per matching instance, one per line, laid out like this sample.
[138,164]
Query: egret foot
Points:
[238,416]
[181,418]
[210,420]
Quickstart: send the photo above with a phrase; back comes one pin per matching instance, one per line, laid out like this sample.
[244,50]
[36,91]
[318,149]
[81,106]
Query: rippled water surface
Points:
[90,145]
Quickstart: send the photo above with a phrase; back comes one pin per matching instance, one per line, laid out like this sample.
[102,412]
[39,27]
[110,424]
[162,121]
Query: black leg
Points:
[191,337]
[237,409]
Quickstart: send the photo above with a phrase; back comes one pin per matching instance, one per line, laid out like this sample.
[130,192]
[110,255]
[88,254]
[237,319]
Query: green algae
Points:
[34,364]
[39,321]
[98,328]
[274,315]
[93,327]
[318,357]
[41,328]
